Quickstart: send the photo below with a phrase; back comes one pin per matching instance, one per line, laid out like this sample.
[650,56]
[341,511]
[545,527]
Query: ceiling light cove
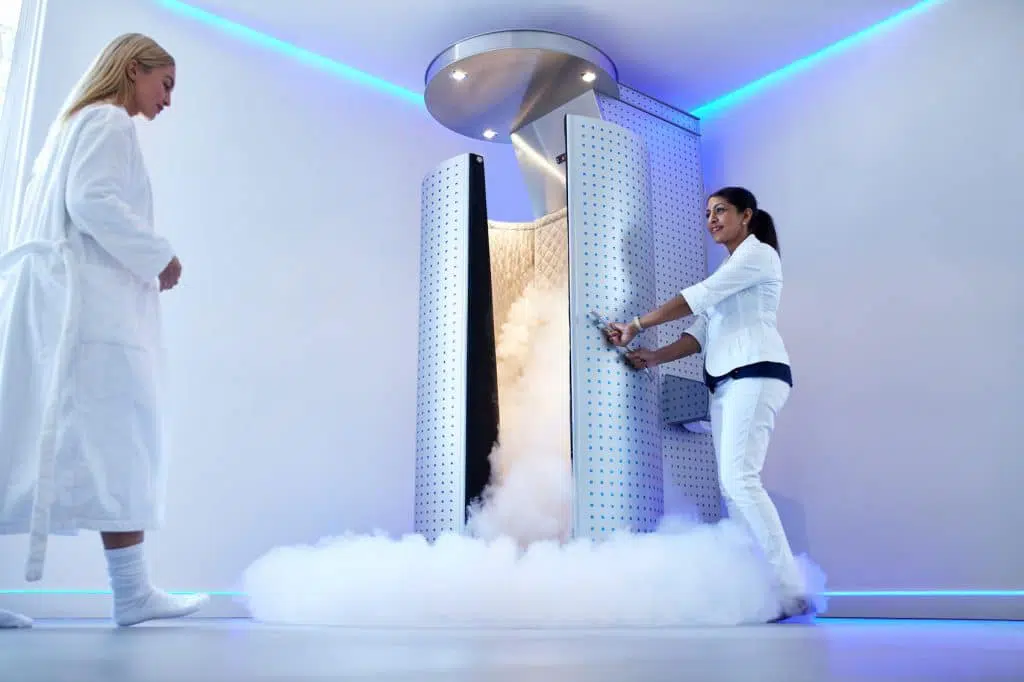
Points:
[504,46]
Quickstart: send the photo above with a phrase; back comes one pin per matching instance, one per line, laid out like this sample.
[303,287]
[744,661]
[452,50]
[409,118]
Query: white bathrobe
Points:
[80,433]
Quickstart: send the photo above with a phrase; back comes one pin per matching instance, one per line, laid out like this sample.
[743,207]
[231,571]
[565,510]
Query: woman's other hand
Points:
[642,358]
[620,334]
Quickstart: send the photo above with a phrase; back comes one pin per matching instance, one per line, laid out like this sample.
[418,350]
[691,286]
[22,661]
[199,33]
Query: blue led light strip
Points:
[363,78]
[302,55]
[926,593]
[834,594]
[725,101]
[76,593]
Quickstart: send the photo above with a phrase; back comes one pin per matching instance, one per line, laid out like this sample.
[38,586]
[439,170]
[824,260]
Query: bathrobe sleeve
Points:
[98,176]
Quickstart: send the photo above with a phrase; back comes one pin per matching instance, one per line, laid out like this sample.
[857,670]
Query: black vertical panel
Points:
[481,361]
[564,158]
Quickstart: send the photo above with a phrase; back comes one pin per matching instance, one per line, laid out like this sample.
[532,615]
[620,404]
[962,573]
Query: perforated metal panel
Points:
[660,109]
[684,401]
[443,310]
[677,207]
[677,210]
[616,440]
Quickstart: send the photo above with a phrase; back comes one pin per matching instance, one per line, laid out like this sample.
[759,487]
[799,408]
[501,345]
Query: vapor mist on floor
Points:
[517,566]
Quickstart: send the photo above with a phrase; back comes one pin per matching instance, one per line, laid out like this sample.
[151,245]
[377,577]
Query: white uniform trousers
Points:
[743,415]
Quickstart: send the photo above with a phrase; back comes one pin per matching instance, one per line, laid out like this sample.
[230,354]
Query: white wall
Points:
[293,198]
[894,172]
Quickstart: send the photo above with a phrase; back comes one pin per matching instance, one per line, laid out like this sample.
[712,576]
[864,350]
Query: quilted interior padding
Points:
[522,253]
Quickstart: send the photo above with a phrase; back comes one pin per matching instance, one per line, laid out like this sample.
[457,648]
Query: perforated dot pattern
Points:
[440,389]
[659,109]
[617,461]
[692,469]
[684,401]
[677,191]
[677,210]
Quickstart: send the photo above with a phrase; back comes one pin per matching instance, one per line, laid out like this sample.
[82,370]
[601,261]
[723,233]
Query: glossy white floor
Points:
[235,650]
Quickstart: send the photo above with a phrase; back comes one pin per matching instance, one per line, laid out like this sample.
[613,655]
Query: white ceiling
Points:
[684,52]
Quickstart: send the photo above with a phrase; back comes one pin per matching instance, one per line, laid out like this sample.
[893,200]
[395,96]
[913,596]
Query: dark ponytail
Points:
[763,227]
[761,224]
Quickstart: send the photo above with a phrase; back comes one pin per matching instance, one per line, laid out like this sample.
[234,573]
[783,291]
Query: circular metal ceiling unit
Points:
[490,85]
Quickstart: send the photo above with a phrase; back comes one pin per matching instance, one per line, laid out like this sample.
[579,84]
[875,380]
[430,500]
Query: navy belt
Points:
[758,370]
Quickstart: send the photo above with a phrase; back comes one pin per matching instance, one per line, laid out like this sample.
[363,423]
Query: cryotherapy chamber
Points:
[615,185]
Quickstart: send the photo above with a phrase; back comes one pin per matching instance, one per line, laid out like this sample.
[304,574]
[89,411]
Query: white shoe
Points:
[158,605]
[795,608]
[9,620]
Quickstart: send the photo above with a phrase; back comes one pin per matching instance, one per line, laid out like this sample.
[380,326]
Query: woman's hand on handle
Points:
[642,358]
[620,334]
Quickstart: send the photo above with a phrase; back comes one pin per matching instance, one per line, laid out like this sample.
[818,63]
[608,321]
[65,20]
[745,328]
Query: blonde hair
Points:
[107,79]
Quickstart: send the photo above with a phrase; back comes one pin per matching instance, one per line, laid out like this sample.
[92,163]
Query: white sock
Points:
[11,620]
[135,600]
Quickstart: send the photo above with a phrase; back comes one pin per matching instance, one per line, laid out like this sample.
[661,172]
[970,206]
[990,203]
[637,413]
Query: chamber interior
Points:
[529,496]
[524,254]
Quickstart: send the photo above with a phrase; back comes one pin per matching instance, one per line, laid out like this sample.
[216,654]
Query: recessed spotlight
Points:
[589,77]
[489,134]
[459,75]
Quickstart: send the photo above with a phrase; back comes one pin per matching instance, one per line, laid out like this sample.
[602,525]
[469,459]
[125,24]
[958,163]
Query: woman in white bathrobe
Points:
[746,368]
[80,432]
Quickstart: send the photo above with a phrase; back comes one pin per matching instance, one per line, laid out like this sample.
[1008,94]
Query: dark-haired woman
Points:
[746,368]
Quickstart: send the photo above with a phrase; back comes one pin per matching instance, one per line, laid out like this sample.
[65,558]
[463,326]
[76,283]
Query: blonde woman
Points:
[80,445]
